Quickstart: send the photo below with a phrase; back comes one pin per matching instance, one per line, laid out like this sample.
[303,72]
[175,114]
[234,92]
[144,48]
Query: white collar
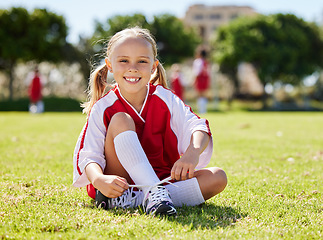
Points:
[143,105]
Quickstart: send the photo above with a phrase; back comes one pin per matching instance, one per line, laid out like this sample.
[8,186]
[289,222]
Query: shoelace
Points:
[156,195]
[166,180]
[126,199]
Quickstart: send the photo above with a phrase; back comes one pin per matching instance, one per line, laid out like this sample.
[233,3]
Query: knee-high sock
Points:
[187,193]
[202,104]
[134,160]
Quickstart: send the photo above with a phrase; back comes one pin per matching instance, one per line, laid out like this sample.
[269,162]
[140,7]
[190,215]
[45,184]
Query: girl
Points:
[35,93]
[202,80]
[140,132]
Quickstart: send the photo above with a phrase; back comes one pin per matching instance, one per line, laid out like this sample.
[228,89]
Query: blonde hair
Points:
[98,78]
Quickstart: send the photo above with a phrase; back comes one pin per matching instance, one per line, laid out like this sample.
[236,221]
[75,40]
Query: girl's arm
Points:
[184,167]
[111,186]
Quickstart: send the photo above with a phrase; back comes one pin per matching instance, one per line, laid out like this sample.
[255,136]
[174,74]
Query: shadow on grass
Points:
[208,216]
[204,216]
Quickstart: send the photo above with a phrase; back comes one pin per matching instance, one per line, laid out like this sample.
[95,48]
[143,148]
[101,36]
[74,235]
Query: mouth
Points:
[132,79]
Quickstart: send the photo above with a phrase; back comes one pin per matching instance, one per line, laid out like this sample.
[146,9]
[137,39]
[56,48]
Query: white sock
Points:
[134,160]
[187,193]
[202,104]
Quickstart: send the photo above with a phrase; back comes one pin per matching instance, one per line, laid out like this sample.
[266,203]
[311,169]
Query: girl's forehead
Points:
[133,38]
[128,41]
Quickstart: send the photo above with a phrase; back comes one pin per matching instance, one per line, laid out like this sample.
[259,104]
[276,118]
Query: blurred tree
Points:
[175,42]
[118,23]
[80,53]
[24,36]
[281,47]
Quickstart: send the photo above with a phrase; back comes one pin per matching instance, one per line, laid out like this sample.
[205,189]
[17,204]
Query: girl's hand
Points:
[184,167]
[111,186]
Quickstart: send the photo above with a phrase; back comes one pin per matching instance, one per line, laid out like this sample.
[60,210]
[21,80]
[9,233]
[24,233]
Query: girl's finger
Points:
[178,171]
[191,173]
[115,194]
[184,173]
[173,172]
[123,184]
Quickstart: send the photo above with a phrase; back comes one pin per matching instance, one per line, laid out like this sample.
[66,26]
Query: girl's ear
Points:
[108,63]
[155,65]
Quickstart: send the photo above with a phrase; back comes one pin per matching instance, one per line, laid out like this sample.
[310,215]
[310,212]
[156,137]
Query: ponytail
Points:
[97,86]
[160,76]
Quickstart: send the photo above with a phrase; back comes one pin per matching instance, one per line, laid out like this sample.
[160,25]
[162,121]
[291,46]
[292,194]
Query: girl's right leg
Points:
[126,157]
[119,123]
[124,154]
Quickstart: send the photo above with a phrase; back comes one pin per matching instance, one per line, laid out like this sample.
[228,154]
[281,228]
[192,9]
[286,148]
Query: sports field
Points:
[274,163]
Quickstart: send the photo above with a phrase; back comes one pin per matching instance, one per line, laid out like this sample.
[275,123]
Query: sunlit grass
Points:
[274,163]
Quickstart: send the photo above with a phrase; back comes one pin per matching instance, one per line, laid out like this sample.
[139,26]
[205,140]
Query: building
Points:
[208,18]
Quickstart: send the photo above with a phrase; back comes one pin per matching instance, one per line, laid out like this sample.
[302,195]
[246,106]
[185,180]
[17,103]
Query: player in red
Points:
[139,133]
[176,80]
[35,94]
[202,80]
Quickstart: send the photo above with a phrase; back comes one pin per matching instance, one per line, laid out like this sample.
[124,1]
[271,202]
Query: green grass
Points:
[274,163]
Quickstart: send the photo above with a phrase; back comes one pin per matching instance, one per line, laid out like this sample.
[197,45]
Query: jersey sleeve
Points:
[197,66]
[89,147]
[184,122]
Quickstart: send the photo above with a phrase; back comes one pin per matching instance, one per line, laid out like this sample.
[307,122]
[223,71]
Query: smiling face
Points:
[132,62]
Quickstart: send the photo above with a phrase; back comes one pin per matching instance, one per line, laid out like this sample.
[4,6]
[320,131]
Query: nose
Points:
[133,68]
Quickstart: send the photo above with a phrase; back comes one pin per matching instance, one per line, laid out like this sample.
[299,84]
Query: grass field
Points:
[274,163]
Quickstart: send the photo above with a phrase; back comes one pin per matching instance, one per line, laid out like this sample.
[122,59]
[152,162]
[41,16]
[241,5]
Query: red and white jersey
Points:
[164,127]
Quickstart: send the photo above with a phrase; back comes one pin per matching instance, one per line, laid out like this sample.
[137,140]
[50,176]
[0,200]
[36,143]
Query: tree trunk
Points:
[11,78]
[264,101]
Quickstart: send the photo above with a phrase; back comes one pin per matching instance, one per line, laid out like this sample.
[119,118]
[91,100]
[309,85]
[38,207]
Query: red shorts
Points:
[202,83]
[90,191]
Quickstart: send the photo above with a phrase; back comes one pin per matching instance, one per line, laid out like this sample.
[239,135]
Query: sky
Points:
[80,15]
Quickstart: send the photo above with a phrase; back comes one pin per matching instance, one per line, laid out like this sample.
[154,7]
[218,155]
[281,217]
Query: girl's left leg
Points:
[212,181]
[205,184]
